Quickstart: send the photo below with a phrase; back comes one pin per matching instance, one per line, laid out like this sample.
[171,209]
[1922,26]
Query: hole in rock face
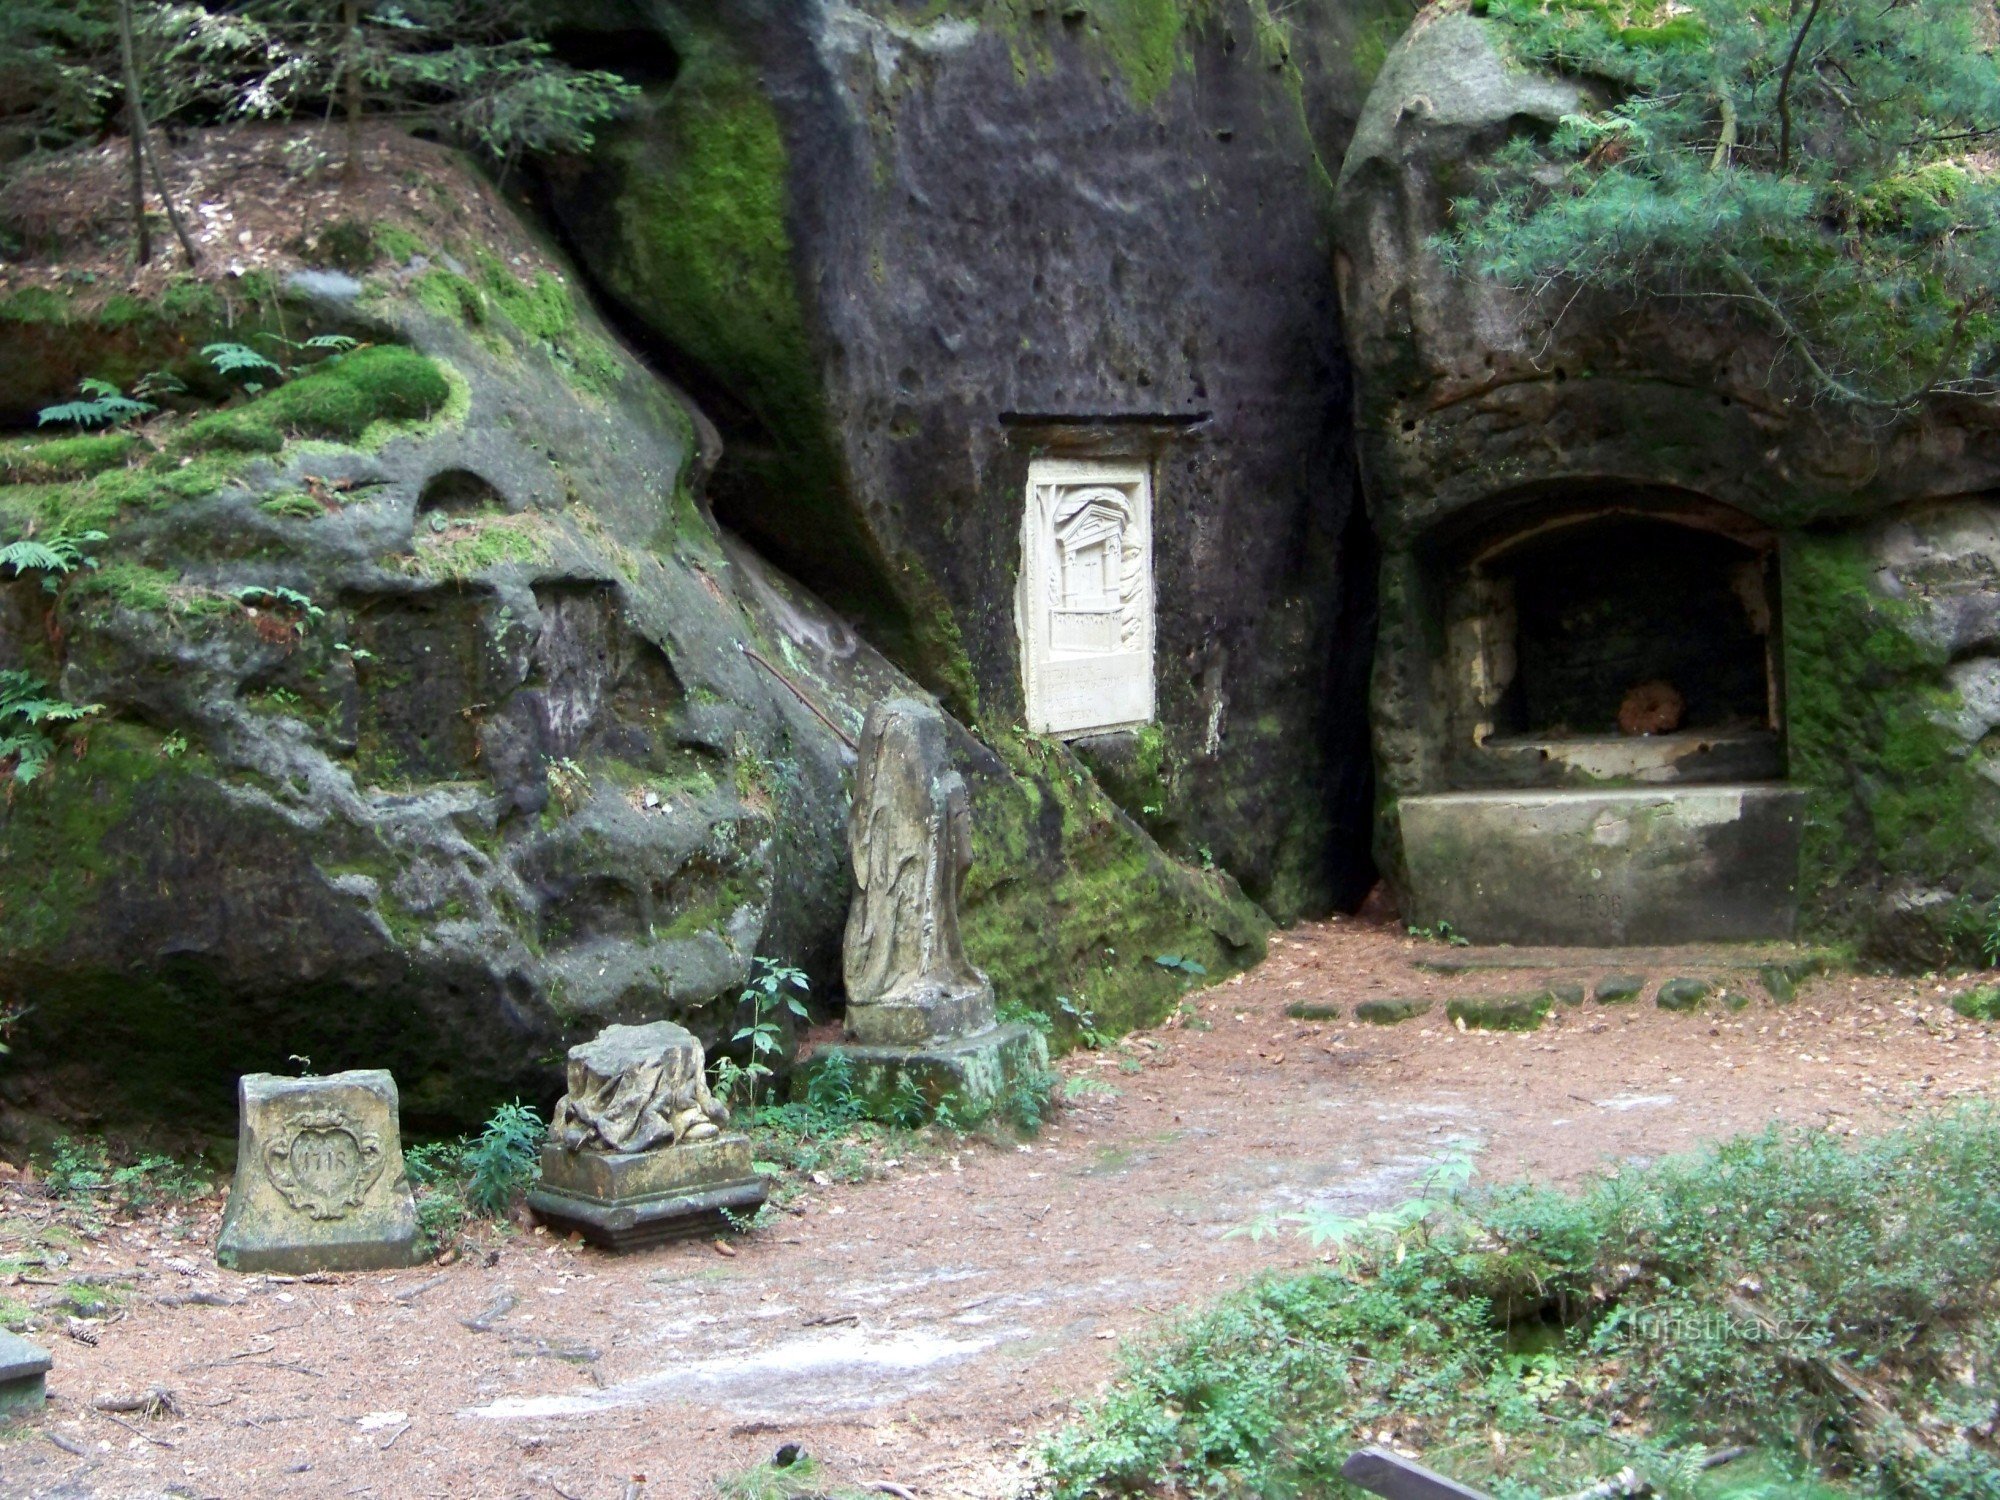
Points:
[458,492]
[1632,625]
[636,54]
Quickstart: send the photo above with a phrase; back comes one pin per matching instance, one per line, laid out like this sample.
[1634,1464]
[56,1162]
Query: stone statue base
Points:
[932,1016]
[319,1177]
[974,1069]
[631,1200]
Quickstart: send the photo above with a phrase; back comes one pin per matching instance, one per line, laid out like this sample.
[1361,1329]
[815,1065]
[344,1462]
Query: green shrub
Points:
[1533,1341]
[463,1179]
[80,1172]
[505,1161]
[1982,1004]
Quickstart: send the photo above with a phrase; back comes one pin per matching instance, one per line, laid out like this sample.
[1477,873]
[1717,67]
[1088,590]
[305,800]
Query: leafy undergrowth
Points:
[1831,1308]
[828,1136]
[80,1192]
[475,1177]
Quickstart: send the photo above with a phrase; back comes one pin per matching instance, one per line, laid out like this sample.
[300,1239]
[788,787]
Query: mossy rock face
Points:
[892,339]
[443,727]
[438,791]
[1390,1012]
[1566,994]
[1500,1013]
[1893,694]
[1312,1010]
[1684,994]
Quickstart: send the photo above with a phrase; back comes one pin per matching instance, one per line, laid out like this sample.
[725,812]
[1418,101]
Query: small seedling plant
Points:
[774,989]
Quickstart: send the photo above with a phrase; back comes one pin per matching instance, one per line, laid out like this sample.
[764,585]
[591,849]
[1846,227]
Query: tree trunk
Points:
[135,126]
[143,153]
[167,199]
[351,80]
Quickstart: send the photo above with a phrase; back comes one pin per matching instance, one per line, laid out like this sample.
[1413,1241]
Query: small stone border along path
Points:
[925,1328]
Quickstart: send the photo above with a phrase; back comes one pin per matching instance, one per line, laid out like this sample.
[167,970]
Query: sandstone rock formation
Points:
[900,255]
[1559,453]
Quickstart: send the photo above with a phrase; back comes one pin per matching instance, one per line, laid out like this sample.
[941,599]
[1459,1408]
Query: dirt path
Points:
[925,1328]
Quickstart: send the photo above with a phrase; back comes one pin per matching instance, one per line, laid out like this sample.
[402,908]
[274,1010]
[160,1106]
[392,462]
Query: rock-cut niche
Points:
[1615,643]
[1596,751]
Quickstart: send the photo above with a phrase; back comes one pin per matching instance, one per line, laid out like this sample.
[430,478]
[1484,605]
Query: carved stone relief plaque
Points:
[323,1162]
[1085,606]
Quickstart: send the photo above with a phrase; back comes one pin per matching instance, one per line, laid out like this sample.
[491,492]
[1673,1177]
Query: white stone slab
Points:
[1084,609]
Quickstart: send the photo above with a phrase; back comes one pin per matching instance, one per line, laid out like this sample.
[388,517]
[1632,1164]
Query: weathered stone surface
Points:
[1134,269]
[1616,989]
[634,1200]
[1566,994]
[1683,864]
[636,1154]
[969,1073]
[24,1369]
[632,1088]
[910,845]
[1313,1010]
[1781,981]
[319,1177]
[1684,994]
[1389,1012]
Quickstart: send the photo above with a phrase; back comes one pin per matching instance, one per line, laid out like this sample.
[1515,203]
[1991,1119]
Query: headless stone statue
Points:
[910,843]
[636,1087]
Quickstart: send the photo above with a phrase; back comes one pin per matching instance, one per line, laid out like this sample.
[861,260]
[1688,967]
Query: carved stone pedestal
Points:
[319,1177]
[636,1154]
[970,1071]
[630,1200]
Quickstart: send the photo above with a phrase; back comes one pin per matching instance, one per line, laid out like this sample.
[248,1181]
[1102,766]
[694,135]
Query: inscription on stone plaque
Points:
[324,1162]
[1085,606]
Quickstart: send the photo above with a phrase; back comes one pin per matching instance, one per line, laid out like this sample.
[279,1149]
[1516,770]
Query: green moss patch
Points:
[1617,989]
[1390,1012]
[473,545]
[45,459]
[338,400]
[1500,1013]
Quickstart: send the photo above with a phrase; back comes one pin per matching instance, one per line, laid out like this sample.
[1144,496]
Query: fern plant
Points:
[27,708]
[99,404]
[257,370]
[54,556]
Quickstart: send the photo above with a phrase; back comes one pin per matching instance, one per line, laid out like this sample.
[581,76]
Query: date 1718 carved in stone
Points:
[1085,607]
